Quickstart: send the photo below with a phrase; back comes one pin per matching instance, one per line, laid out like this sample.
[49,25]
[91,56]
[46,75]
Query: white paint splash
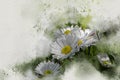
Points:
[83,71]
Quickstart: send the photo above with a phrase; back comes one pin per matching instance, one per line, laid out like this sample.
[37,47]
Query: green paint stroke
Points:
[84,21]
[3,74]
[28,65]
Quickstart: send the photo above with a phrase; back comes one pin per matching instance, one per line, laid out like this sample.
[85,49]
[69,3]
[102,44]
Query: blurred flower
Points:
[104,60]
[47,68]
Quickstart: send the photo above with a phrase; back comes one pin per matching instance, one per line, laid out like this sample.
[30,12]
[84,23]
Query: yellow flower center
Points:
[47,72]
[80,42]
[66,49]
[67,32]
[106,62]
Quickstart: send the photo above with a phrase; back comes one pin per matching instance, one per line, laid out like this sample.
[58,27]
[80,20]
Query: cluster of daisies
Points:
[67,42]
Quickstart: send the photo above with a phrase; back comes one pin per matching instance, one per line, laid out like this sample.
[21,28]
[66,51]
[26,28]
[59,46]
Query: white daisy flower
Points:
[63,31]
[91,37]
[47,68]
[104,60]
[85,37]
[64,47]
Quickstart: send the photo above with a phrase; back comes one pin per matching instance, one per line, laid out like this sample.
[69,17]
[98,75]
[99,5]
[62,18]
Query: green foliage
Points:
[84,21]
[3,74]
[28,65]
